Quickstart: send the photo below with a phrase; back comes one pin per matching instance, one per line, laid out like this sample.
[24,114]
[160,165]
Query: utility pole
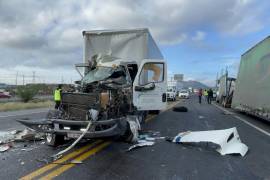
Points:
[16,81]
[34,77]
[62,80]
[23,79]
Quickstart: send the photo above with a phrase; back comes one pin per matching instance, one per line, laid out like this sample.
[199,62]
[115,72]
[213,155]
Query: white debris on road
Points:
[141,143]
[4,147]
[228,140]
[17,136]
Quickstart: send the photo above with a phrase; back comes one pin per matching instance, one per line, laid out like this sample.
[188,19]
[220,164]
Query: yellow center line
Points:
[48,167]
[82,157]
[77,152]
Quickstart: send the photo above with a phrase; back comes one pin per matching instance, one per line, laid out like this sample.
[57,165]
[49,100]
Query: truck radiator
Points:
[76,105]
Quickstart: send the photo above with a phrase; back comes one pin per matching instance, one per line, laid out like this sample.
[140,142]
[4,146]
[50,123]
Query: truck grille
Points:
[76,105]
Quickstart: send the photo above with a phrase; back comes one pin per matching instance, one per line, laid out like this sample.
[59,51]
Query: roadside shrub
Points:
[27,93]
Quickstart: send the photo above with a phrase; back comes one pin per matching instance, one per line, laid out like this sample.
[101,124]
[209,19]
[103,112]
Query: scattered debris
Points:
[28,135]
[146,139]
[180,109]
[227,113]
[28,149]
[4,147]
[201,117]
[141,143]
[228,140]
[5,137]
[46,161]
[76,162]
[20,135]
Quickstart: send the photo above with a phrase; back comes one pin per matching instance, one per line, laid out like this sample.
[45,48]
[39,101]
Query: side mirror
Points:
[146,87]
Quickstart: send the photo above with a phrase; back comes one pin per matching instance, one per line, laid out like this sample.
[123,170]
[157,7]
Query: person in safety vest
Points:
[57,96]
[205,93]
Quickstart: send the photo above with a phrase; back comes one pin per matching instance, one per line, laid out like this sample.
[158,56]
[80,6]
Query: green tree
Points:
[27,92]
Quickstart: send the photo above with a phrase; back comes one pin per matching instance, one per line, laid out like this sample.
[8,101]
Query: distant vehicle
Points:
[195,91]
[171,93]
[176,85]
[4,95]
[214,95]
[184,94]
[226,87]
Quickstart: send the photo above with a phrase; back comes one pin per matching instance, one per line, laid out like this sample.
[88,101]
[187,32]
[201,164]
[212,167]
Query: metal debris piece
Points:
[76,162]
[150,139]
[228,140]
[134,125]
[141,143]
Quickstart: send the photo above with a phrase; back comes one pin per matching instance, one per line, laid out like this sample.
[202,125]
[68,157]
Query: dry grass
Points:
[12,106]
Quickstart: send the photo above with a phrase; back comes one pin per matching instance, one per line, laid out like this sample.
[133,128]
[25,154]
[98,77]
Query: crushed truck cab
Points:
[124,76]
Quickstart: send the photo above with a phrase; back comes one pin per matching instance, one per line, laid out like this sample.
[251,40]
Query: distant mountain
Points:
[194,85]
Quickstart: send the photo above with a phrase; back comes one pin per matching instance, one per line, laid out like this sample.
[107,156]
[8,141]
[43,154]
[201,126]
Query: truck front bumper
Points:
[115,127]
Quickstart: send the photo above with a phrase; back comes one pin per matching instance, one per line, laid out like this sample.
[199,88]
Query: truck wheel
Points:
[54,139]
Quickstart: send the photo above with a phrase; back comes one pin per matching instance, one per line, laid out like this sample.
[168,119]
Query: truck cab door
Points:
[150,85]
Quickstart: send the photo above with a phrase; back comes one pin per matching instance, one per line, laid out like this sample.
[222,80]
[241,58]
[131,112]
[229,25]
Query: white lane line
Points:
[22,114]
[252,125]
[244,120]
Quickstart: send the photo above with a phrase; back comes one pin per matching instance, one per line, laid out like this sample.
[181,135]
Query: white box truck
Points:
[125,76]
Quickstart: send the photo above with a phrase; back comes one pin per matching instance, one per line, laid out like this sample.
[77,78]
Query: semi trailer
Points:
[252,89]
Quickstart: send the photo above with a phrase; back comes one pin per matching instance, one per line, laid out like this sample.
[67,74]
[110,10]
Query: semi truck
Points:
[252,89]
[225,90]
[123,76]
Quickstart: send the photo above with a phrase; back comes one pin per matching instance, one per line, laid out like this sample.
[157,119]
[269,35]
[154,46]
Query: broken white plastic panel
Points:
[228,140]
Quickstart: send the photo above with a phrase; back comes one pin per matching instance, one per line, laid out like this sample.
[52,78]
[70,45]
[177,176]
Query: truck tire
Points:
[54,139]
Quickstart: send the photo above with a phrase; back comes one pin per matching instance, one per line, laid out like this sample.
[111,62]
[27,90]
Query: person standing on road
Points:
[200,93]
[210,96]
[57,96]
[205,94]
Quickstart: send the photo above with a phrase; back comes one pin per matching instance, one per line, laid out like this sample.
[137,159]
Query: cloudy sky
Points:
[198,38]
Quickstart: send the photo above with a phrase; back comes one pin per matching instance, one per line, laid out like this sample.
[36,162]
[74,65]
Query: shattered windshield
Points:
[98,74]
[103,73]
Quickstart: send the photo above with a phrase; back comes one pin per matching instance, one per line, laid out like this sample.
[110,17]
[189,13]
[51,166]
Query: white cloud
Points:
[47,34]
[199,36]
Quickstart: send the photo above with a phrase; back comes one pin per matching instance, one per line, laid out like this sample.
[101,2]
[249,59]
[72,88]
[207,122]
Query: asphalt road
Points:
[107,159]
